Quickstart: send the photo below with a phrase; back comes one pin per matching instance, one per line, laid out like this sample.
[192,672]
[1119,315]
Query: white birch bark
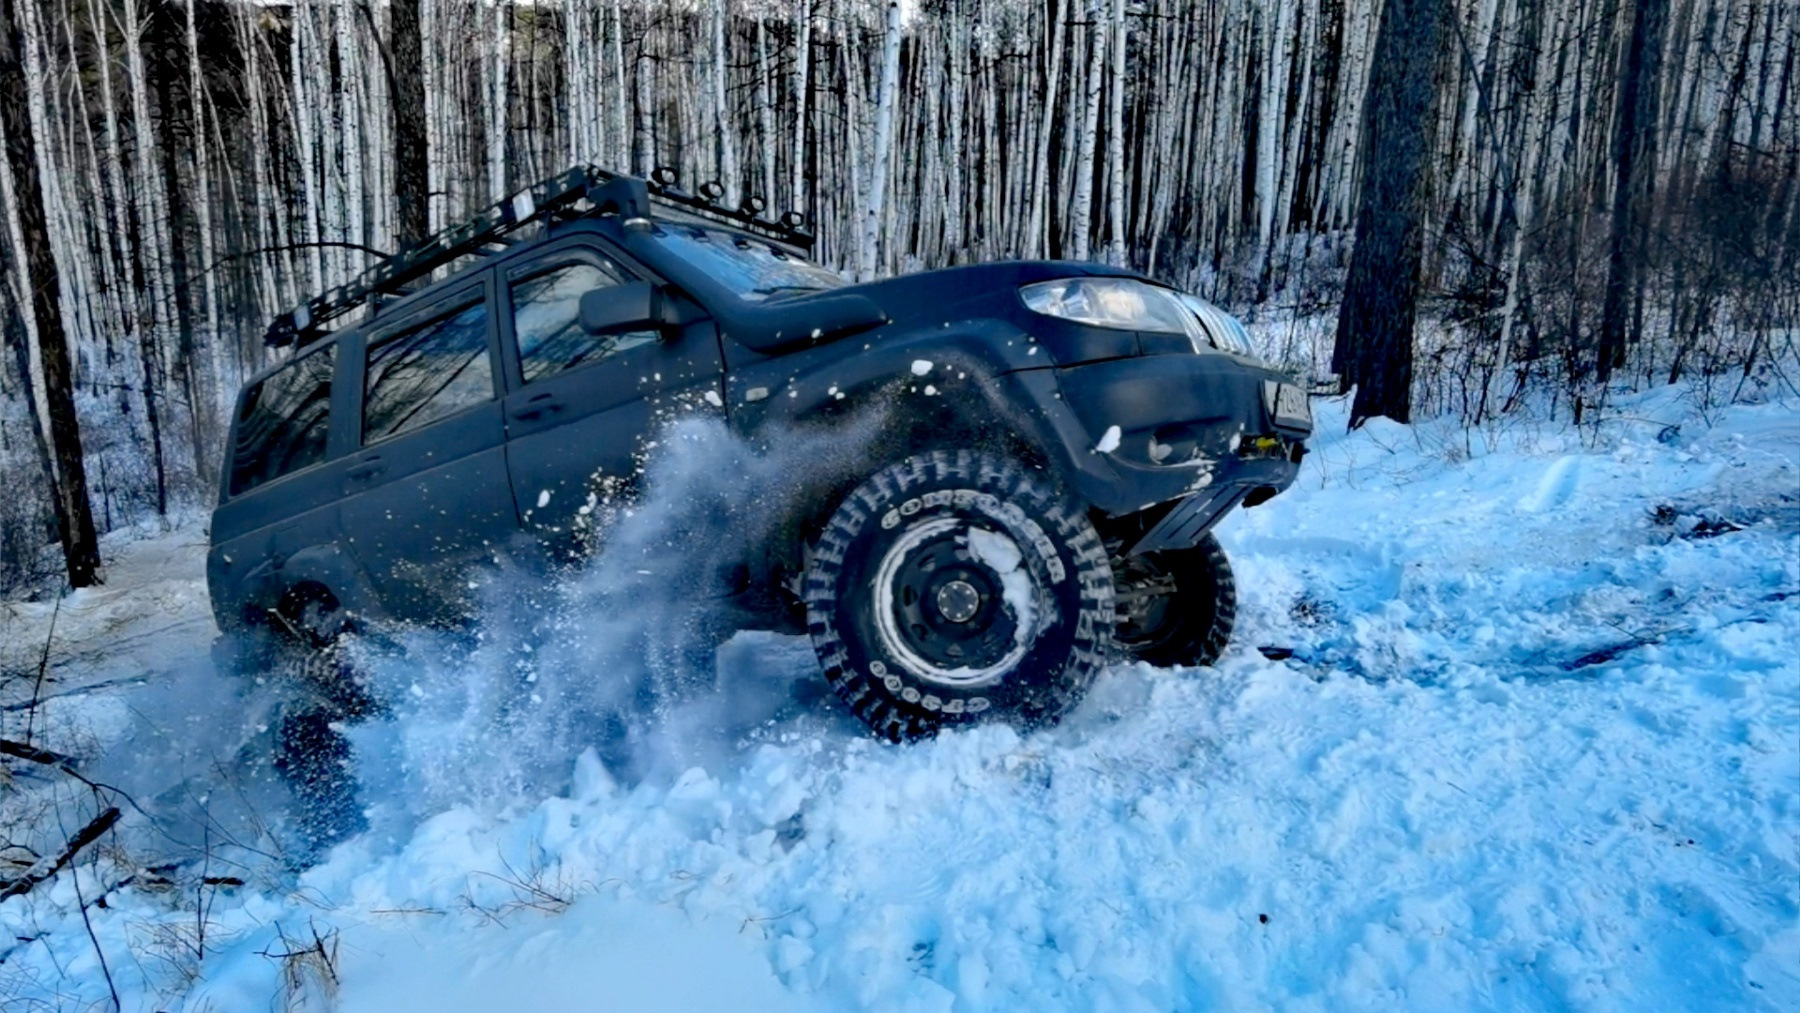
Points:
[1082,203]
[1115,140]
[621,137]
[203,211]
[870,256]
[498,98]
[301,109]
[1268,126]
[955,200]
[802,99]
[765,123]
[1032,242]
[725,138]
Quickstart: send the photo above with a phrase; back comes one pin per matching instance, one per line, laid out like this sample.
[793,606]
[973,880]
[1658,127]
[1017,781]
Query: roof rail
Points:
[605,193]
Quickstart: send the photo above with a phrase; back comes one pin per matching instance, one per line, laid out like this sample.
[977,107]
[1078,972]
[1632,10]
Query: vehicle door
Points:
[277,523]
[426,495]
[583,406]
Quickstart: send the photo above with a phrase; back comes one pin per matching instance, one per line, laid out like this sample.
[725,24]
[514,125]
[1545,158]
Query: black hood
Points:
[928,299]
[975,291]
[969,292]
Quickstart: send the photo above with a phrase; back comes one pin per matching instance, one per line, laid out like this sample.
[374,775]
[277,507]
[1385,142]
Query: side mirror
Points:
[621,309]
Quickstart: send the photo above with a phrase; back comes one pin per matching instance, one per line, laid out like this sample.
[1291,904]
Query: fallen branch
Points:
[88,835]
[25,751]
[37,689]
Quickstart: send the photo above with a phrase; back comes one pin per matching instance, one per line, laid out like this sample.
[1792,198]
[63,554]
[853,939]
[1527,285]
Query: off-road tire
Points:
[307,648]
[936,495]
[1193,624]
[303,650]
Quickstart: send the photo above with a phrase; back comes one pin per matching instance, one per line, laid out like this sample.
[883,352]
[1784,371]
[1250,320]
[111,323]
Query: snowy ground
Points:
[1535,745]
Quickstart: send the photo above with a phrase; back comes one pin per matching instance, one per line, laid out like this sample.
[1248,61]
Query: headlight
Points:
[1132,305]
[1226,332]
[1124,303]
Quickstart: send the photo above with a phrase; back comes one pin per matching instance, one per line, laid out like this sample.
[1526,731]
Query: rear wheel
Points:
[307,652]
[955,587]
[1177,607]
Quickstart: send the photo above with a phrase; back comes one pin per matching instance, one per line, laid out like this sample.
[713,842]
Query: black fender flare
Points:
[327,566]
[980,384]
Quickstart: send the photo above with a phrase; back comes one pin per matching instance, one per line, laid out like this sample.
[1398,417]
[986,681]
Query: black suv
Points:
[1042,447]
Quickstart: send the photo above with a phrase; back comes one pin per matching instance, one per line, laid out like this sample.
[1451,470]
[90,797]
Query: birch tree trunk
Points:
[870,257]
[1082,204]
[499,98]
[955,200]
[1115,140]
[765,113]
[1032,242]
[201,362]
[802,106]
[725,140]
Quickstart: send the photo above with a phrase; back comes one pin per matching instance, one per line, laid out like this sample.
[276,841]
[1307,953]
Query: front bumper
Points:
[1208,430]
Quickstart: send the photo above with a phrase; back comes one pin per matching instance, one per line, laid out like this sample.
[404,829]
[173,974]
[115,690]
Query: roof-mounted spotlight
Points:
[665,176]
[752,205]
[793,220]
[712,190]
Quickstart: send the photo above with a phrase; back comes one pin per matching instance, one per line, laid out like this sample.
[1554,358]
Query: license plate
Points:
[1287,404]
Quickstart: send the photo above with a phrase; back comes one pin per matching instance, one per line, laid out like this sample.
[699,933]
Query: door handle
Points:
[538,407]
[367,469]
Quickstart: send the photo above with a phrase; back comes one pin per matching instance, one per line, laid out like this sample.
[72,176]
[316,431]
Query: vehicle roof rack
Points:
[558,197]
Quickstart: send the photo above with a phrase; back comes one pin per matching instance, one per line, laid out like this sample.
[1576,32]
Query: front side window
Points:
[754,270]
[547,319]
[283,420]
[427,373]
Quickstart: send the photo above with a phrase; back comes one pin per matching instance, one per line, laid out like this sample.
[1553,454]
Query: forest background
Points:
[1607,196]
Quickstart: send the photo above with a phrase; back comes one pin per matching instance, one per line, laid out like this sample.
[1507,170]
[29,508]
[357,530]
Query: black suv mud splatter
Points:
[1041,448]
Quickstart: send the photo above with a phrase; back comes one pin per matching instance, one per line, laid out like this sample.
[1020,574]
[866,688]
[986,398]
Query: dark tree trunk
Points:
[75,519]
[406,83]
[1634,152]
[1374,345]
[12,333]
[166,64]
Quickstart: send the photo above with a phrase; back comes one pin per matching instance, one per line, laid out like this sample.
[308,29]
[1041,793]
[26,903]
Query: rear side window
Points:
[427,373]
[547,319]
[283,420]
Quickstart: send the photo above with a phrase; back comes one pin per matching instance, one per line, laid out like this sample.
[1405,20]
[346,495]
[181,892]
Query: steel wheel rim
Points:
[918,632]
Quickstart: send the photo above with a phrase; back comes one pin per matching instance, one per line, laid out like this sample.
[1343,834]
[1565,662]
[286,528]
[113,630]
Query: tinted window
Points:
[283,421]
[427,373]
[547,320]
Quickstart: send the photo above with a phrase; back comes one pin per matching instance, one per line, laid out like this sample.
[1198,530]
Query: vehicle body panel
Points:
[942,355]
[420,507]
[576,426]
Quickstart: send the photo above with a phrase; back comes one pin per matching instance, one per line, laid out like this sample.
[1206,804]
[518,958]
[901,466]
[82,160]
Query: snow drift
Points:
[1533,742]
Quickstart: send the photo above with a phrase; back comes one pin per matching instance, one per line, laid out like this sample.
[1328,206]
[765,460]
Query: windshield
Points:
[753,270]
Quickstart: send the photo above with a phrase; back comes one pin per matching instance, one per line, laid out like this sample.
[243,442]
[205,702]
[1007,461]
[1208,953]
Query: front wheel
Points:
[955,587]
[1177,607]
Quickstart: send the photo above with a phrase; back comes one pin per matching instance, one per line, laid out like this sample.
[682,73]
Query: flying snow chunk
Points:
[1003,556]
[921,366]
[713,398]
[1109,441]
[543,499]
